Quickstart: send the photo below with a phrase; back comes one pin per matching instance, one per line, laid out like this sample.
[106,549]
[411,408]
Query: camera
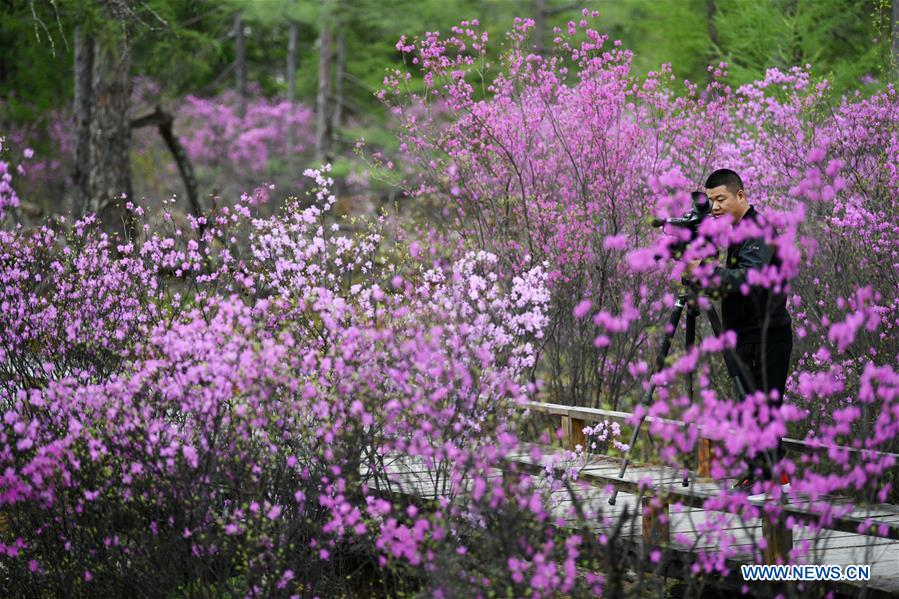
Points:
[702,207]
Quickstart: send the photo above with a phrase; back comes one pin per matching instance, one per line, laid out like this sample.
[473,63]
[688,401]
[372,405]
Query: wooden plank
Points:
[691,523]
[704,460]
[848,523]
[693,520]
[566,432]
[839,548]
[803,534]
[655,521]
[588,414]
[696,498]
[876,588]
[747,537]
[577,433]
[838,544]
[610,470]
[858,543]
[600,504]
[882,558]
[778,541]
[547,408]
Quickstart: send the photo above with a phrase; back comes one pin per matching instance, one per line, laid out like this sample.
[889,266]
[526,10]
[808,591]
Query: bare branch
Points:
[38,21]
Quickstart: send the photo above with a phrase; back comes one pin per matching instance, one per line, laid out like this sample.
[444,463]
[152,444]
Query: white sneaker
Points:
[784,493]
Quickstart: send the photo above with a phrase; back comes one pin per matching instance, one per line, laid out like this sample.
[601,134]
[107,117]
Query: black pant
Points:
[764,367]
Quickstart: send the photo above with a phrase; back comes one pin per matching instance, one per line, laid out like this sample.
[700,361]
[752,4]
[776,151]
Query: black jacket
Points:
[761,315]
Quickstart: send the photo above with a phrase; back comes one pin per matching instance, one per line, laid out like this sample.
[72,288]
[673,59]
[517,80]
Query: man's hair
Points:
[726,177]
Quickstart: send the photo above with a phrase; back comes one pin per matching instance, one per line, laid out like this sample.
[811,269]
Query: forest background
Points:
[192,383]
[229,70]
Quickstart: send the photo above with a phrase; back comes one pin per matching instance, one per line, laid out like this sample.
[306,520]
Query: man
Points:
[759,318]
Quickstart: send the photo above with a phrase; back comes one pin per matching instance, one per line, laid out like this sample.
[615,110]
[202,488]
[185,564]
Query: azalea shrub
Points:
[9,197]
[216,135]
[286,406]
[565,158]
[192,416]
[272,141]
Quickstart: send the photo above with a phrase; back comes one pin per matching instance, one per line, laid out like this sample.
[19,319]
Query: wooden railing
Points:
[656,499]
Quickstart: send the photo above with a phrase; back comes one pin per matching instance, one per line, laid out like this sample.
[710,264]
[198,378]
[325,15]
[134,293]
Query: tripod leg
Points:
[689,342]
[659,365]
[734,365]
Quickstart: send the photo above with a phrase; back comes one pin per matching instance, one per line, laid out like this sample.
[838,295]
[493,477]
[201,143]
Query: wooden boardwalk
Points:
[691,528]
[689,525]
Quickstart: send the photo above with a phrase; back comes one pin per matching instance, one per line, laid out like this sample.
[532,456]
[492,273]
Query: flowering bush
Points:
[179,418]
[215,135]
[229,152]
[568,156]
[273,407]
[9,198]
[47,166]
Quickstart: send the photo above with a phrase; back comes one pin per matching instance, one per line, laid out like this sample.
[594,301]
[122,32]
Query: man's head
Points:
[725,190]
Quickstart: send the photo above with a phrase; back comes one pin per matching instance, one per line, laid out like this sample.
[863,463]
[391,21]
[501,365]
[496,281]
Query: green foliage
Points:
[675,32]
[187,45]
[843,40]
[29,72]
[38,39]
[194,37]
[837,37]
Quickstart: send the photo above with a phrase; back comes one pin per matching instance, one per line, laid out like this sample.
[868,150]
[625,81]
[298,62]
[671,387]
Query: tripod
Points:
[687,298]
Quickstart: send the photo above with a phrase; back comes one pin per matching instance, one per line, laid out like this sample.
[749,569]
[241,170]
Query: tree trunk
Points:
[337,115]
[164,121]
[240,64]
[322,137]
[292,38]
[538,8]
[895,29]
[109,174]
[711,9]
[84,67]
[796,56]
